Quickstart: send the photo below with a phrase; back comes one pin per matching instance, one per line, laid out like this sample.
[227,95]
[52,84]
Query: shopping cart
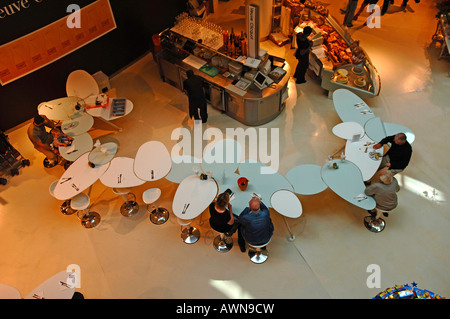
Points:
[10,159]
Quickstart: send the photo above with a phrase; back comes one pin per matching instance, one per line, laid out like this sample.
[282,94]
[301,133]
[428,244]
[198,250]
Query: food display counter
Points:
[251,90]
[336,58]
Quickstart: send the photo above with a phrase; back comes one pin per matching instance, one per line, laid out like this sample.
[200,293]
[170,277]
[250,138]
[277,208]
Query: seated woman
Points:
[221,212]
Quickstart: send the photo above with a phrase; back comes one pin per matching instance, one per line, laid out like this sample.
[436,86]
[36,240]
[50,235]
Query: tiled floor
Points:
[132,258]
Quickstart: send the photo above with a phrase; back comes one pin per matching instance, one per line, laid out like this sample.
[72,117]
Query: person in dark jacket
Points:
[304,46]
[193,86]
[398,155]
[221,218]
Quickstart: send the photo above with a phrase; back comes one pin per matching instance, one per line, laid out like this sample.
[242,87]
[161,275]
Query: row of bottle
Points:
[234,45]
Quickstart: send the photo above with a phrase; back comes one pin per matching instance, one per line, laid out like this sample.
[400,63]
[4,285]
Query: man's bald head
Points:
[254,204]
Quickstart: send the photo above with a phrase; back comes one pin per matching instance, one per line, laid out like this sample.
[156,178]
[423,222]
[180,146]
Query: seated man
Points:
[398,155]
[255,225]
[384,193]
[41,139]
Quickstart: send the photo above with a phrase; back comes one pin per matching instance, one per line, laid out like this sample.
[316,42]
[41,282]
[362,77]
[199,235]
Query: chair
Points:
[65,206]
[81,84]
[190,235]
[222,243]
[195,9]
[375,224]
[257,254]
[80,203]
[130,207]
[158,215]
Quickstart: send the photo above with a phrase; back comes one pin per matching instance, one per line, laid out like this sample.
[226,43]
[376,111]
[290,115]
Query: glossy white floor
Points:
[133,258]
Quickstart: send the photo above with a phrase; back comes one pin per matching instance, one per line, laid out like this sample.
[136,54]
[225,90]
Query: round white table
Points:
[105,113]
[346,181]
[182,167]
[61,109]
[222,158]
[287,204]
[79,123]
[374,129]
[9,292]
[306,179]
[81,144]
[240,199]
[152,161]
[347,130]
[80,83]
[103,153]
[350,107]
[60,286]
[78,177]
[120,174]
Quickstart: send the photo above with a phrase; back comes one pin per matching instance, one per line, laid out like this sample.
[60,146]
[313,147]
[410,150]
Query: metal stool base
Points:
[66,209]
[90,220]
[258,257]
[190,235]
[373,224]
[159,216]
[48,165]
[129,209]
[223,246]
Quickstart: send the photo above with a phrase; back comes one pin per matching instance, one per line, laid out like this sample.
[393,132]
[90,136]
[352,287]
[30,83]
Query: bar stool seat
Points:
[130,207]
[257,254]
[190,235]
[81,203]
[65,206]
[158,215]
[376,224]
[222,243]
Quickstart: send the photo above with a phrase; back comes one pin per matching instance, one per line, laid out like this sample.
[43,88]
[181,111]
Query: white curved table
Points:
[81,144]
[103,154]
[61,109]
[306,179]
[78,177]
[361,154]
[182,167]
[60,286]
[80,83]
[120,174]
[350,107]
[288,205]
[9,292]
[240,199]
[376,129]
[222,158]
[79,123]
[105,112]
[346,181]
[152,161]
[347,130]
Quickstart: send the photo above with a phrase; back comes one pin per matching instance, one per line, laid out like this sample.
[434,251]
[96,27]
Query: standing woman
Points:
[304,46]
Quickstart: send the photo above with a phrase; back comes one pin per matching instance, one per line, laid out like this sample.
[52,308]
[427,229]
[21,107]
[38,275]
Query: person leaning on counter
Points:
[304,46]
[197,100]
[398,155]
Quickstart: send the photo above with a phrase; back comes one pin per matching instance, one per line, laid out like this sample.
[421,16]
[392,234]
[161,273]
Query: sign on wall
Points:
[252,30]
[52,42]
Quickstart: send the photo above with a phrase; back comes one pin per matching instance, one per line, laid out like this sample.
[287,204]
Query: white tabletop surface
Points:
[53,289]
[346,130]
[81,144]
[105,112]
[350,107]
[80,83]
[120,174]
[347,182]
[375,129]
[78,177]
[61,109]
[152,161]
[103,153]
[195,192]
[221,157]
[306,179]
[79,123]
[182,167]
[362,156]
[9,292]
[286,203]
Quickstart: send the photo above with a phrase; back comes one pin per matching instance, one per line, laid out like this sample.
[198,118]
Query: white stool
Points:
[65,206]
[222,243]
[190,235]
[257,254]
[375,224]
[158,215]
[80,203]
[130,207]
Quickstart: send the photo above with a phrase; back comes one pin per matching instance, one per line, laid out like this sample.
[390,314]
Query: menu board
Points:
[52,42]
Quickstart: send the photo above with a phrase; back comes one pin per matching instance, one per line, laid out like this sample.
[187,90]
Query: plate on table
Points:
[375,156]
[357,70]
[360,84]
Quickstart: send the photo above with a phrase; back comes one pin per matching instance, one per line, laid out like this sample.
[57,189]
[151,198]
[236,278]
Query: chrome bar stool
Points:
[130,207]
[81,203]
[158,215]
[257,254]
[65,206]
[189,234]
[376,224]
[222,243]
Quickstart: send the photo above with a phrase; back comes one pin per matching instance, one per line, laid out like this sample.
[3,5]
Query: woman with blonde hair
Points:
[384,192]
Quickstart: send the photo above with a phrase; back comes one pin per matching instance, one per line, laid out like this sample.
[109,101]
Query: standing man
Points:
[304,46]
[399,154]
[193,86]
[350,12]
[255,225]
[42,140]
